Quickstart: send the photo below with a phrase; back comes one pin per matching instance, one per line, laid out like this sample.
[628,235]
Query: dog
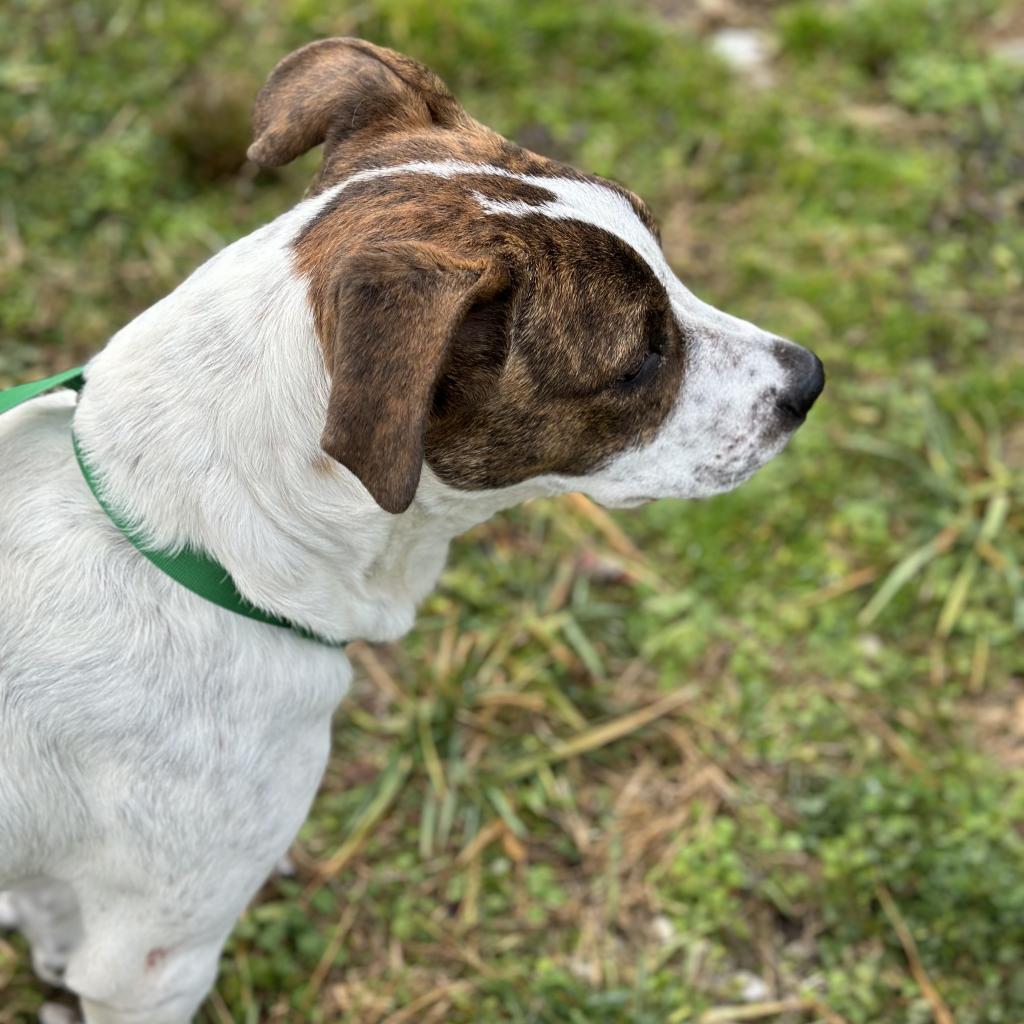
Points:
[446,325]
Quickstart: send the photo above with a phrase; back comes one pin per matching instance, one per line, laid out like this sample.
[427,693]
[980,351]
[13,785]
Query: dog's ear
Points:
[336,89]
[399,306]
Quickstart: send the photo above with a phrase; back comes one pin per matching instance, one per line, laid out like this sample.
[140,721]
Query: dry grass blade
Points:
[828,1015]
[992,555]
[487,835]
[755,1011]
[601,735]
[512,699]
[620,547]
[319,975]
[853,581]
[979,664]
[390,784]
[367,659]
[940,1011]
[469,907]
[613,534]
[445,992]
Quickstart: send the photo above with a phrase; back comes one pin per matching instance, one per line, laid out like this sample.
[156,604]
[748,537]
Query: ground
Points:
[755,758]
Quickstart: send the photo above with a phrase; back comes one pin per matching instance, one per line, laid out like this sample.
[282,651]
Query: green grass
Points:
[829,815]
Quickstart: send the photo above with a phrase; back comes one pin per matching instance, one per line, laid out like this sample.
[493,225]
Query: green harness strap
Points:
[23,392]
[192,569]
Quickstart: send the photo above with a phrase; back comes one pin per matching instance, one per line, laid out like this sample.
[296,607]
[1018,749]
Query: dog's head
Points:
[503,317]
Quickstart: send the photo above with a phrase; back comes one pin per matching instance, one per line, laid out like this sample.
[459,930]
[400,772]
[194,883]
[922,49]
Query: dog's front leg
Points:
[182,854]
[152,938]
[150,945]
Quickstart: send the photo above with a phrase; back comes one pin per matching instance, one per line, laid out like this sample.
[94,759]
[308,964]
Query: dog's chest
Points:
[122,692]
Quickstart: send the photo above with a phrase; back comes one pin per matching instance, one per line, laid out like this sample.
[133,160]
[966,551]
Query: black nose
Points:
[805,379]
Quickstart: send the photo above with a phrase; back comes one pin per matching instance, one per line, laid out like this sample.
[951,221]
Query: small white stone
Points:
[745,50]
[1011,50]
[586,970]
[752,989]
[870,645]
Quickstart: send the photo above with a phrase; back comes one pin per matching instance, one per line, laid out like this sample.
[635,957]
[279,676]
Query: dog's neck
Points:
[202,418]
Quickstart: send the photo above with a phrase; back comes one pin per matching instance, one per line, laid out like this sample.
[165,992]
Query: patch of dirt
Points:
[998,722]
[704,16]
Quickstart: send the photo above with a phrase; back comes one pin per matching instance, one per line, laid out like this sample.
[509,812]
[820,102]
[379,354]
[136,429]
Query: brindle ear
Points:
[334,89]
[399,307]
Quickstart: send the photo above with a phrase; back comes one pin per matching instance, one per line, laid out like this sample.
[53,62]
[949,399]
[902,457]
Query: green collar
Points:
[192,569]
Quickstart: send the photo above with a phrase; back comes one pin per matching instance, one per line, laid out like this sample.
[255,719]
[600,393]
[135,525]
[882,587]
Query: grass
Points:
[756,758]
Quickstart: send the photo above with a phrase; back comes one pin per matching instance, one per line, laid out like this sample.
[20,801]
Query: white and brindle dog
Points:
[447,325]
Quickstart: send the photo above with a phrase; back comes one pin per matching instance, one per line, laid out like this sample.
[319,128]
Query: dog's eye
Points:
[642,372]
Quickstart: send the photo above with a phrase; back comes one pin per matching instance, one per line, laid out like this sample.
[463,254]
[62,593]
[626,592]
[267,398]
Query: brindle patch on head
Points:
[534,379]
[582,360]
[563,350]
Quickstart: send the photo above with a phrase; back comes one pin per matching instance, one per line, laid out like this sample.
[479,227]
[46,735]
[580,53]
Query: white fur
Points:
[157,753]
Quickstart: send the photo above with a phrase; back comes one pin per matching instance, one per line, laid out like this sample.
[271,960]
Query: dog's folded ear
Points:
[334,90]
[399,307]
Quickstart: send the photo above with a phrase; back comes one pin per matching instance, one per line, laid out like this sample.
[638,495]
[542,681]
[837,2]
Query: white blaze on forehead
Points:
[590,203]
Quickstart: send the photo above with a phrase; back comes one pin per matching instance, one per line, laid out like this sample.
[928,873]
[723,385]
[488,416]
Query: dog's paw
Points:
[56,1013]
[8,915]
